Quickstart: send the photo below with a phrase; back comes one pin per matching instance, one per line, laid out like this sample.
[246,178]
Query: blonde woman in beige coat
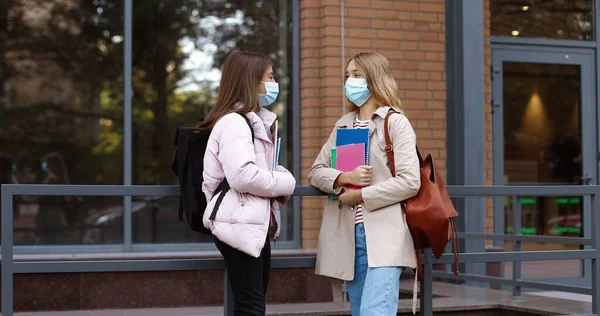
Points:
[364,238]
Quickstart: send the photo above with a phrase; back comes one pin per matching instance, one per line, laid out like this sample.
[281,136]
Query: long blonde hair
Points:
[380,80]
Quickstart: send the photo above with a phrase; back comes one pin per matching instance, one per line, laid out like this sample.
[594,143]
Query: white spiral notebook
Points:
[277,144]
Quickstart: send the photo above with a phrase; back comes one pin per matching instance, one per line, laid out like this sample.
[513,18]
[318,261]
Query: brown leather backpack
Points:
[430,214]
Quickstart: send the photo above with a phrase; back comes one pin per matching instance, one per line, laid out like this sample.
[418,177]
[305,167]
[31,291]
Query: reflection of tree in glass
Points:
[77,47]
[245,25]
[55,64]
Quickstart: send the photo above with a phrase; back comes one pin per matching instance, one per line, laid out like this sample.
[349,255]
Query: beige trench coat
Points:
[388,238]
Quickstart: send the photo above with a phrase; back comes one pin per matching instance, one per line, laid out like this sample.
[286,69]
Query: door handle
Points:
[587,179]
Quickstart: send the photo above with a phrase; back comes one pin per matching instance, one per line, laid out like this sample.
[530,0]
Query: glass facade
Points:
[62,105]
[552,19]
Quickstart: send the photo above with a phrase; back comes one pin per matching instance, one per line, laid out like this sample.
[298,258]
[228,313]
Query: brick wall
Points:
[320,94]
[411,34]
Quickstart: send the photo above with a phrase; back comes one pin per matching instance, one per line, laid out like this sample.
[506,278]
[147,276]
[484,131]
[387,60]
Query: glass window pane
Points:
[61,110]
[542,132]
[178,51]
[556,19]
[155,221]
[542,146]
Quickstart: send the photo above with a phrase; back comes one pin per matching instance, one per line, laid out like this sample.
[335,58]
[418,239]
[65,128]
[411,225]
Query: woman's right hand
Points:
[361,176]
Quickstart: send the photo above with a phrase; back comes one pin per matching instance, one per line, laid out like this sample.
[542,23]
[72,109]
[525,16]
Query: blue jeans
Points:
[374,291]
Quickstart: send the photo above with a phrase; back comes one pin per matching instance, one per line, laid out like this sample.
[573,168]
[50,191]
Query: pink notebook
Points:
[349,157]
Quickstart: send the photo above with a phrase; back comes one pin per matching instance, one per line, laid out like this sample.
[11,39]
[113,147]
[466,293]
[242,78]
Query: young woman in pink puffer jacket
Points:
[248,217]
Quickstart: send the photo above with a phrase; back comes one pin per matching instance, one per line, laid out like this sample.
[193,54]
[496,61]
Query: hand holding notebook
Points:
[351,155]
[361,176]
[351,159]
[357,177]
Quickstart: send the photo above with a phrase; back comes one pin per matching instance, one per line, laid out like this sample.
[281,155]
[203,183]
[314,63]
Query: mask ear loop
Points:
[264,83]
[267,89]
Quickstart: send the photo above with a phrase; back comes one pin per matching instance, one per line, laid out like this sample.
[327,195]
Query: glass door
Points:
[544,133]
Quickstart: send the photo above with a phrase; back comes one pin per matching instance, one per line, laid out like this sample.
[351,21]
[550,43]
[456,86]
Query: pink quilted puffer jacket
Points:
[242,219]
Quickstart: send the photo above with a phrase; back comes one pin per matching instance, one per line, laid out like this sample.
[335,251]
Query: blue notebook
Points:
[347,136]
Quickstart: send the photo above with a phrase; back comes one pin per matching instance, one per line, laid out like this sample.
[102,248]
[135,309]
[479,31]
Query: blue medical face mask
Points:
[44,166]
[357,91]
[271,95]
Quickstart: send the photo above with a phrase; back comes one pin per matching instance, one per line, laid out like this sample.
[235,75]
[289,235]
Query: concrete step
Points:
[451,300]
[442,306]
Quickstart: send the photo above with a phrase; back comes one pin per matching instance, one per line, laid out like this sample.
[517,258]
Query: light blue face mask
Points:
[271,95]
[357,91]
[45,166]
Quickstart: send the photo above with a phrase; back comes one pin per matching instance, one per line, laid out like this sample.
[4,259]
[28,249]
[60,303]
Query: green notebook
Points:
[333,160]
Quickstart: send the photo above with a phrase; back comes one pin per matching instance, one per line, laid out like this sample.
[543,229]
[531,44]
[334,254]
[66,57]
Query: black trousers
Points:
[249,278]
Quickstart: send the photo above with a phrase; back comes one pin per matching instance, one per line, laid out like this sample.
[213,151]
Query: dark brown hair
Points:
[57,169]
[5,169]
[238,91]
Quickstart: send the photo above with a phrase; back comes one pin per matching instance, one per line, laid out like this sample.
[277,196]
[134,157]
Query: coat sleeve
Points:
[321,175]
[238,159]
[406,182]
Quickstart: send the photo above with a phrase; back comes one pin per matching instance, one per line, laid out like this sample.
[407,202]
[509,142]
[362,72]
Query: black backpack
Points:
[188,165]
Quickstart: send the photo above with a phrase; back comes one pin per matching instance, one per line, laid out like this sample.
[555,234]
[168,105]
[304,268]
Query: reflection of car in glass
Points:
[155,220]
[567,225]
[106,226]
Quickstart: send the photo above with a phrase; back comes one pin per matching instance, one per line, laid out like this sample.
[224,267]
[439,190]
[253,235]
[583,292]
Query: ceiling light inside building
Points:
[515,33]
[525,8]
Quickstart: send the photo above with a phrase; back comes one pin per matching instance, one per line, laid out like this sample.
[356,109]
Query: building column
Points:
[466,112]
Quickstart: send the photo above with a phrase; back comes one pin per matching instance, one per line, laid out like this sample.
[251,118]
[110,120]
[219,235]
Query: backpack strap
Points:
[249,125]
[224,186]
[389,152]
[389,146]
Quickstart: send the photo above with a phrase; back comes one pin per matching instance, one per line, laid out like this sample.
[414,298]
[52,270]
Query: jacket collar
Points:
[262,122]
[266,116]
[348,119]
[263,115]
[382,111]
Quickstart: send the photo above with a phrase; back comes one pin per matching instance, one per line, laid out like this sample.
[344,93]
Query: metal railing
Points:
[589,193]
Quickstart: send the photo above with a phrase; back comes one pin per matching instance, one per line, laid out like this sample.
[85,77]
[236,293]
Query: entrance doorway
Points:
[544,133]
